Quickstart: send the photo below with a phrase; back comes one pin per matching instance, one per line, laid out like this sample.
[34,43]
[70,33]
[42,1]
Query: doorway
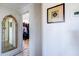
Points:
[25,50]
[25,17]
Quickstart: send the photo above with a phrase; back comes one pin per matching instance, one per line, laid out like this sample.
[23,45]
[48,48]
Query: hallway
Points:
[12,32]
[26,43]
[25,51]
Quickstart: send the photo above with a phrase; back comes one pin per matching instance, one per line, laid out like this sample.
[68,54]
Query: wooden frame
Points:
[4,19]
[56,14]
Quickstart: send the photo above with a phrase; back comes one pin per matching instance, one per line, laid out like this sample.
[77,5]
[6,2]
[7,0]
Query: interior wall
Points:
[35,30]
[3,12]
[61,38]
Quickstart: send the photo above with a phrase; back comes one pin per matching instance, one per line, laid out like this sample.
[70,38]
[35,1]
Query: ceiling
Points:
[13,5]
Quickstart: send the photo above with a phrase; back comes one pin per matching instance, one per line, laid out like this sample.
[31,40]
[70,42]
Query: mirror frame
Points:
[16,24]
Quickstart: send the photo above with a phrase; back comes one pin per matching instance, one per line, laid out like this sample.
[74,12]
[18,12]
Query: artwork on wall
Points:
[56,14]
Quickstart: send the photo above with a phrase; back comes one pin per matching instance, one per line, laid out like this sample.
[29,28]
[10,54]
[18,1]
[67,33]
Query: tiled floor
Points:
[25,51]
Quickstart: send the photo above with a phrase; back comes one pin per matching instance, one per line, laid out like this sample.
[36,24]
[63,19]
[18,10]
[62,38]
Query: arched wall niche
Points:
[9,33]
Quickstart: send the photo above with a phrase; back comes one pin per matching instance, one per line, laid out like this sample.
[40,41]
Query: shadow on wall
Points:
[75,38]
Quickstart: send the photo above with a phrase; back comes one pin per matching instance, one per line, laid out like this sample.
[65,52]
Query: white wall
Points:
[3,12]
[61,38]
[35,30]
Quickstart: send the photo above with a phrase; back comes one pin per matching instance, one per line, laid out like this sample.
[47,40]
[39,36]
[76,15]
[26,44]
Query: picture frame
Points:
[56,14]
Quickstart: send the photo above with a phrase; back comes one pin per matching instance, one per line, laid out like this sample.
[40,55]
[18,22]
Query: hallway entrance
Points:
[14,36]
[25,50]
[25,30]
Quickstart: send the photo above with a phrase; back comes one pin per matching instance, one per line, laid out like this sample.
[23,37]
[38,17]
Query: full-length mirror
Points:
[9,33]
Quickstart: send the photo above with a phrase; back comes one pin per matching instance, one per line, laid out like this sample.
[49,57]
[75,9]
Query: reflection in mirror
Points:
[9,33]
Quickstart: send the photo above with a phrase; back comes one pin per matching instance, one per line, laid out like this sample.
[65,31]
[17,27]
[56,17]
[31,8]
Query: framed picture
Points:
[56,14]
